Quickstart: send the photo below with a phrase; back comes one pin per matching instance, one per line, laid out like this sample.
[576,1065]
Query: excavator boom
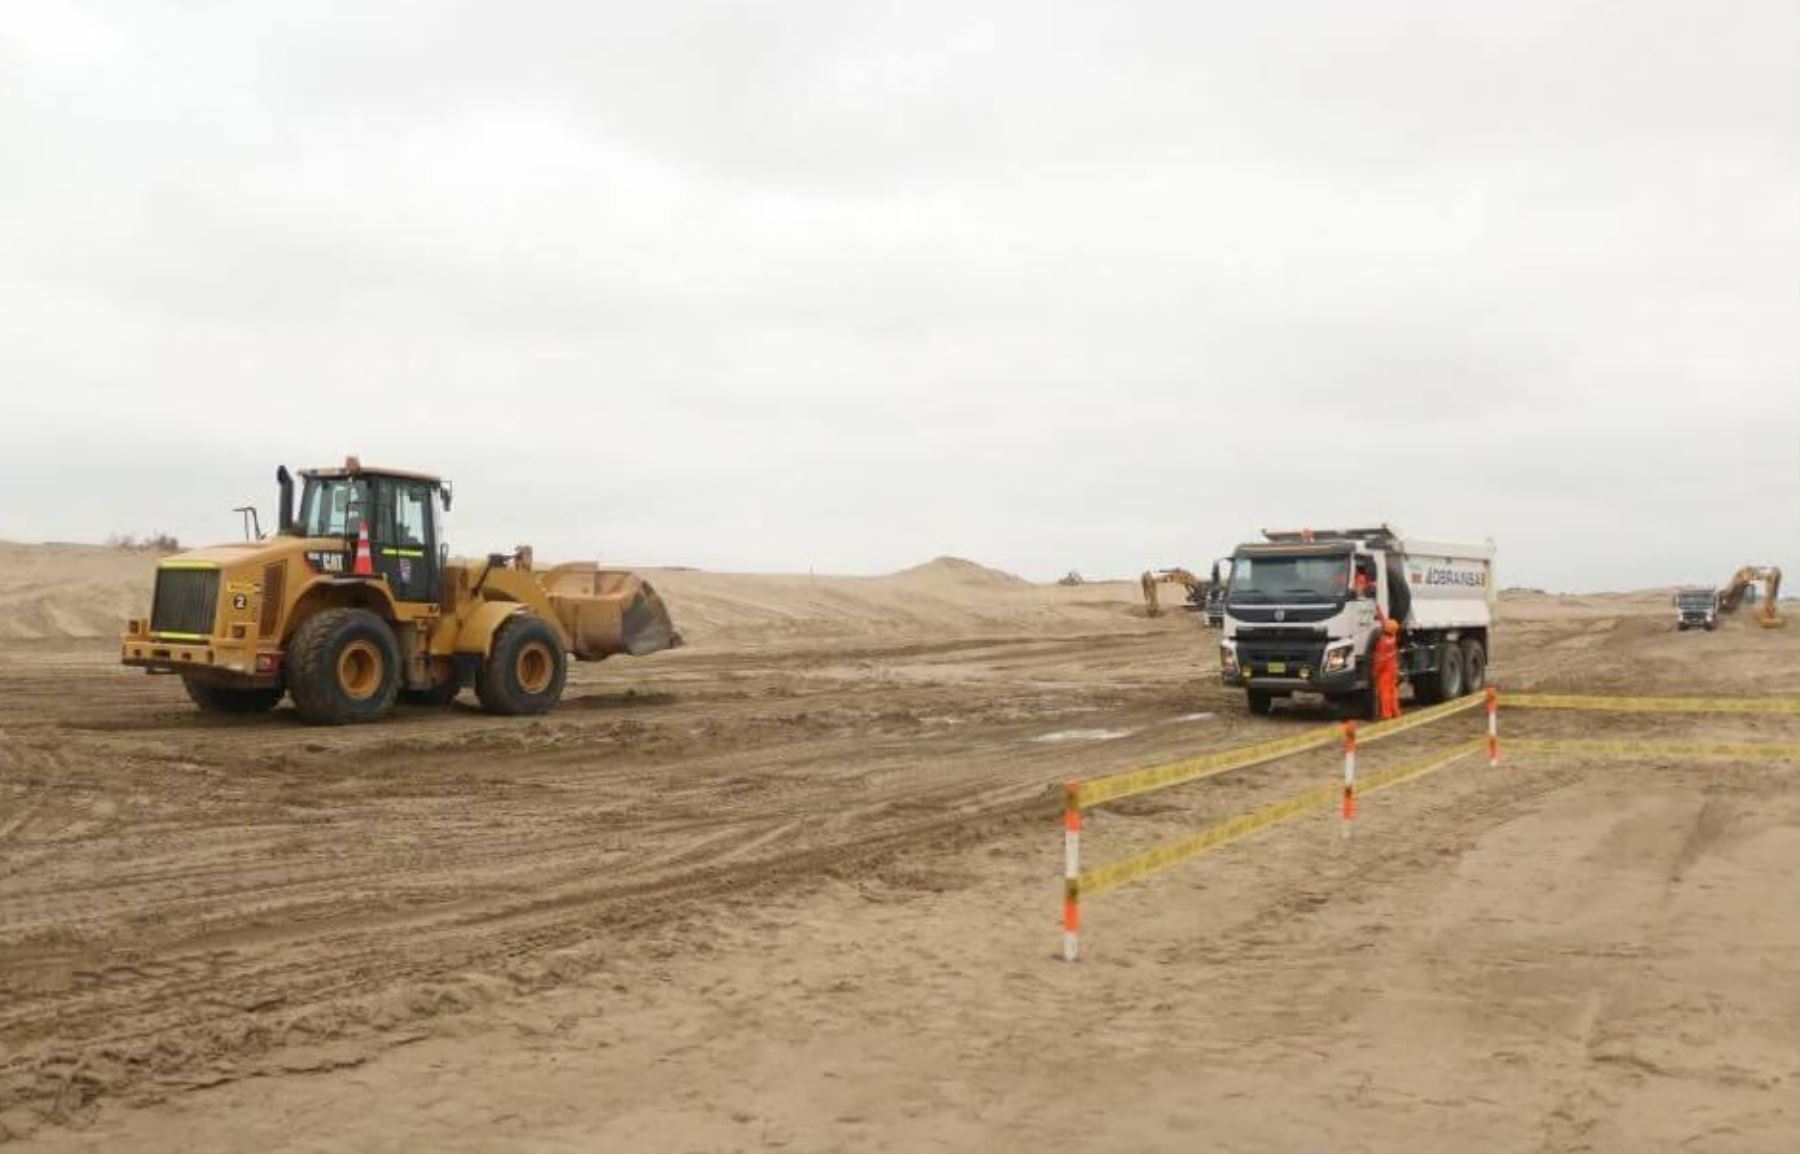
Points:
[1768,613]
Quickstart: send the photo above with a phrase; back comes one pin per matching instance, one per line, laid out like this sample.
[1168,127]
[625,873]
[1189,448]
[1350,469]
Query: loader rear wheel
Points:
[524,671]
[343,668]
[222,699]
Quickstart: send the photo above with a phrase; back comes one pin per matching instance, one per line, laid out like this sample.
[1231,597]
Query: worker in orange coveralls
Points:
[1387,670]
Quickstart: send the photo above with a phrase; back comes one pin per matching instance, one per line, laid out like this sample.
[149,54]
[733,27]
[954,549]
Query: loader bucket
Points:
[608,611]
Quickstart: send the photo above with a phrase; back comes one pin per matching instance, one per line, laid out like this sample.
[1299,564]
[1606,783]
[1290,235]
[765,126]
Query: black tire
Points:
[1260,701]
[343,668]
[223,699]
[1474,657]
[1450,672]
[524,671]
[1681,627]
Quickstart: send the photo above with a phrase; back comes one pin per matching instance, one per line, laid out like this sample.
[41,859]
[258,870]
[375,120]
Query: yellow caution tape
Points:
[1652,704]
[1104,789]
[1381,729]
[1744,750]
[1141,865]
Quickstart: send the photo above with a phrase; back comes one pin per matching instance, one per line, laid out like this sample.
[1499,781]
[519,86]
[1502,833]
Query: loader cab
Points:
[403,513]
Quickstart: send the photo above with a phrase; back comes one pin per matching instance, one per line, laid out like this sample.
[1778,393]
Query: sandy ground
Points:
[795,887]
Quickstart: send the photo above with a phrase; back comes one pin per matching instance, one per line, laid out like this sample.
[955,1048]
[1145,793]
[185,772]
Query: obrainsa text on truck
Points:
[1304,610]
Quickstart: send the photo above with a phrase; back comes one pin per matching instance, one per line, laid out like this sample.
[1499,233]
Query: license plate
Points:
[1277,667]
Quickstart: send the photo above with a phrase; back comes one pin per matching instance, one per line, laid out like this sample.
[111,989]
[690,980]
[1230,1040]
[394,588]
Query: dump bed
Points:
[1448,585]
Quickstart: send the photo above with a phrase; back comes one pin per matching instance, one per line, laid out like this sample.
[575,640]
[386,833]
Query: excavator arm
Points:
[1154,577]
[1768,614]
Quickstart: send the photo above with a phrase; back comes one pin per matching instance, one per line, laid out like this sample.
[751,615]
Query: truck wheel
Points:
[222,699]
[1450,672]
[1261,701]
[343,667]
[1474,656]
[524,672]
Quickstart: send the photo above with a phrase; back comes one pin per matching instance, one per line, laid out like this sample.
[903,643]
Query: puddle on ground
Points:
[1085,735]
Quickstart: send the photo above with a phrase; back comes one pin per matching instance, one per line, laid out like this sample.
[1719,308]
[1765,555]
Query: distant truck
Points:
[1697,607]
[1303,611]
[1208,598]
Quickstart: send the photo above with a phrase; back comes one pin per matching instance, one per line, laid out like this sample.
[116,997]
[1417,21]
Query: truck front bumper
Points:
[1342,681]
[215,660]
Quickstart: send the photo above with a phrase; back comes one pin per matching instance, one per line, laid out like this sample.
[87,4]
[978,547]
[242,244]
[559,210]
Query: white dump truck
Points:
[1304,609]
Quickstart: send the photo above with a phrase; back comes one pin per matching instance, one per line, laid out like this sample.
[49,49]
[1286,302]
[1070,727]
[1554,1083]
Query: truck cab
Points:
[1303,610]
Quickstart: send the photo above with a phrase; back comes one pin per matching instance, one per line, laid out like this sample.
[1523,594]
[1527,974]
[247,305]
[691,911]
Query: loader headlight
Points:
[1228,662]
[1338,657]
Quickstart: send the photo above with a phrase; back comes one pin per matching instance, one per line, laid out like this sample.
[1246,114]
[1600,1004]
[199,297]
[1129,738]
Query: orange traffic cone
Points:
[365,560]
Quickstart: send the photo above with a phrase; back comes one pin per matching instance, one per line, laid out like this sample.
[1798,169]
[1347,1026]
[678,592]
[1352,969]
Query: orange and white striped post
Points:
[1072,871]
[1493,708]
[1349,775]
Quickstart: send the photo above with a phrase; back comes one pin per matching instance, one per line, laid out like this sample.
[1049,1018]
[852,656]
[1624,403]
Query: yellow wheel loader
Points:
[355,602]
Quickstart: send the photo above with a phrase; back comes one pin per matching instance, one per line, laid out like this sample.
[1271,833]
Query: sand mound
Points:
[82,591]
[960,571]
[50,591]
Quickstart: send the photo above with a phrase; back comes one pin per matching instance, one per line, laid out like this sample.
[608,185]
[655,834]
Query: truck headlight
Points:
[1338,658]
[1228,662]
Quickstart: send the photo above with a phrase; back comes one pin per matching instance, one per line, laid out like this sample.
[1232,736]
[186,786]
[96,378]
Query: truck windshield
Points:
[332,506]
[1694,600]
[1318,578]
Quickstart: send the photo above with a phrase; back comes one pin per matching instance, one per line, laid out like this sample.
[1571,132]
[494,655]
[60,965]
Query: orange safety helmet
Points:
[1390,627]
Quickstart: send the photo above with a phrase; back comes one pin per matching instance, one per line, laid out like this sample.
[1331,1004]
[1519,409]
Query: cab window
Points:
[332,506]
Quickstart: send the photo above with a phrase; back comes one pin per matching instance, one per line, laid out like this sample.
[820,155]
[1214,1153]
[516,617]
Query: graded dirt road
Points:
[795,887]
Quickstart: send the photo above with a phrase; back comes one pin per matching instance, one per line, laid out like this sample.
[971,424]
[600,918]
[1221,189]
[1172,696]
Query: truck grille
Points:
[1297,654]
[186,600]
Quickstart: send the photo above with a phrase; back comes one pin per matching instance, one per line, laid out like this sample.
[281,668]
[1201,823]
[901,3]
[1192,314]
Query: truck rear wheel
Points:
[343,667]
[1474,657]
[223,699]
[1450,672]
[524,671]
[1261,701]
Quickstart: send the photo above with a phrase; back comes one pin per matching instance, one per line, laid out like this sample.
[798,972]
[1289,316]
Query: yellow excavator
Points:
[1154,577]
[1768,612]
[355,602]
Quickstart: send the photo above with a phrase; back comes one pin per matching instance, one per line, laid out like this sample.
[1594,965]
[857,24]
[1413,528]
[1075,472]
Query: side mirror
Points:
[447,492]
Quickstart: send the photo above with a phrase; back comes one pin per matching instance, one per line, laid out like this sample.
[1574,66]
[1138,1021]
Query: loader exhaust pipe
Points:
[284,513]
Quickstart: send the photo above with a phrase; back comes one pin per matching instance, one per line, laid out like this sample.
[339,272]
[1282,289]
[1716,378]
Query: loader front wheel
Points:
[221,699]
[524,671]
[343,668]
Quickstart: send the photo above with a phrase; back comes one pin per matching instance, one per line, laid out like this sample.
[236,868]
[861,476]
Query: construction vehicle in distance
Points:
[1209,598]
[1768,612]
[1304,609]
[1154,577]
[355,601]
[1696,607]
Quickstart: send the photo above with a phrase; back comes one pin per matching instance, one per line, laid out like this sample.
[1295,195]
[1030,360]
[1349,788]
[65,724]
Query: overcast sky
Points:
[844,286]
